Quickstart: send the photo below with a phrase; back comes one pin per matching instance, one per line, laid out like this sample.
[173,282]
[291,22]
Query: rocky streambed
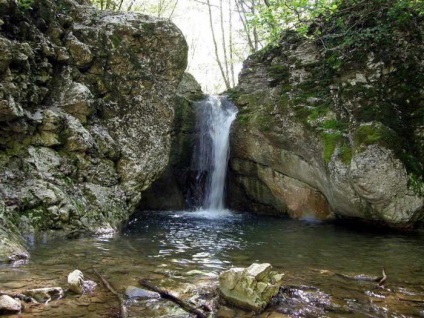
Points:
[184,252]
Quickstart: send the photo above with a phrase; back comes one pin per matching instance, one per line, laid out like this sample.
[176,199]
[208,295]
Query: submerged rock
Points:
[135,292]
[250,288]
[46,294]
[9,305]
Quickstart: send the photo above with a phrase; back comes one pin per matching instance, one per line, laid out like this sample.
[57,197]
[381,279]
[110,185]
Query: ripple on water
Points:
[172,248]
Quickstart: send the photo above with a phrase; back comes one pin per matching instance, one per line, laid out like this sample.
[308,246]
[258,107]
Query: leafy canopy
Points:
[273,16]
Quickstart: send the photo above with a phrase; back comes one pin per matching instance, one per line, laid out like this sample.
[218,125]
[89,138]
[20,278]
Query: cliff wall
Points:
[87,102]
[331,123]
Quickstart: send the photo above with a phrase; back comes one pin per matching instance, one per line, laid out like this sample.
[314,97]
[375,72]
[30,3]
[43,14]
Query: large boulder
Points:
[171,191]
[325,133]
[87,103]
[250,288]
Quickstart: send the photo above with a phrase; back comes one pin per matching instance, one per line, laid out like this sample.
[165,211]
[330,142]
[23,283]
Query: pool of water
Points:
[184,250]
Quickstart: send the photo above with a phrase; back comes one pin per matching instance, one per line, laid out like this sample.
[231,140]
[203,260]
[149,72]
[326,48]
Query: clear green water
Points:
[182,250]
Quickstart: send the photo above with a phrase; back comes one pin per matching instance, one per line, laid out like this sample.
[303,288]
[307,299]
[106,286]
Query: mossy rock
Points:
[374,133]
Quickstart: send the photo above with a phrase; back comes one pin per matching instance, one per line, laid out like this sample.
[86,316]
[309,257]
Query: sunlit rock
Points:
[43,295]
[9,305]
[76,282]
[250,288]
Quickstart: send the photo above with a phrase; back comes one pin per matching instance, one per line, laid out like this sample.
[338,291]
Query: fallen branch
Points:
[165,294]
[412,300]
[124,313]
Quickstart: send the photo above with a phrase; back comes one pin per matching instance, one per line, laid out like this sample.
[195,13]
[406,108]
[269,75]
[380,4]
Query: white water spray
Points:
[215,116]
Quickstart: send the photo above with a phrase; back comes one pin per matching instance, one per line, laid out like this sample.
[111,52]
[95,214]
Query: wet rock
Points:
[76,282]
[43,295]
[135,292]
[250,288]
[306,301]
[78,285]
[9,305]
[12,248]
[226,312]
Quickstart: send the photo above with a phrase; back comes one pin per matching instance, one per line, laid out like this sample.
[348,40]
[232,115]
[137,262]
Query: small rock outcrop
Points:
[87,105]
[250,288]
[330,128]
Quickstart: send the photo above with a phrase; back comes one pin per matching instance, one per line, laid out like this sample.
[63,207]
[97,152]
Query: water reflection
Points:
[201,237]
[169,247]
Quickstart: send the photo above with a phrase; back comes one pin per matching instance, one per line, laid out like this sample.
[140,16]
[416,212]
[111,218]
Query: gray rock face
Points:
[87,100]
[314,142]
[250,288]
[170,190]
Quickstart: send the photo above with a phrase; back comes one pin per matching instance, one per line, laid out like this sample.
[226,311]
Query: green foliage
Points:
[332,140]
[25,5]
[362,26]
[270,20]
[334,124]
[416,183]
[374,133]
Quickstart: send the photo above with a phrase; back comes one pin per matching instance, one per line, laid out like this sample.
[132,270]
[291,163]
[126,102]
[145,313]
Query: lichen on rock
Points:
[325,132]
[87,99]
[250,288]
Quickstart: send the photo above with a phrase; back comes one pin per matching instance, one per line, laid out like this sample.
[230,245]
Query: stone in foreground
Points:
[78,285]
[9,304]
[135,292]
[43,295]
[250,288]
[76,282]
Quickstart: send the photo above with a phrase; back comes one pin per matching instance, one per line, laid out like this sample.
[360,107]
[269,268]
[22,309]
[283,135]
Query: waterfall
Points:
[214,118]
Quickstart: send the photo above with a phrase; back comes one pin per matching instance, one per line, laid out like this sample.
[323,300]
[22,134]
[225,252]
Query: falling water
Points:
[214,117]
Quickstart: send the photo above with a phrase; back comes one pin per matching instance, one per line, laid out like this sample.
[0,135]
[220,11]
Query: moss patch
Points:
[374,133]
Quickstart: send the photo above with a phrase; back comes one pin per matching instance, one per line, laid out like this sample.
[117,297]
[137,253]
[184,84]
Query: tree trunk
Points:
[227,84]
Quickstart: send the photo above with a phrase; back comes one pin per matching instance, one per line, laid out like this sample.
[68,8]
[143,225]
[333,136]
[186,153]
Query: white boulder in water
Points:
[77,284]
[250,288]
